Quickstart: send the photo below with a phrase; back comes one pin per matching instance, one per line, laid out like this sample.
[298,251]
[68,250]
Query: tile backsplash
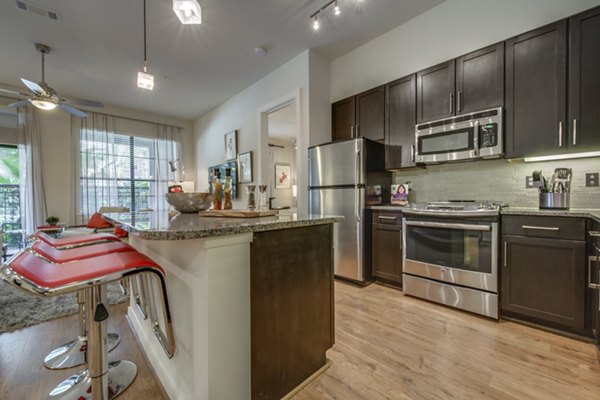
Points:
[500,180]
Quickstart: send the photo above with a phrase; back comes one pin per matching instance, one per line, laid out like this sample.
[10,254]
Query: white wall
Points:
[55,128]
[451,29]
[243,112]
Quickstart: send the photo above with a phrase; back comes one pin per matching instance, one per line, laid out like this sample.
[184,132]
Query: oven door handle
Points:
[446,225]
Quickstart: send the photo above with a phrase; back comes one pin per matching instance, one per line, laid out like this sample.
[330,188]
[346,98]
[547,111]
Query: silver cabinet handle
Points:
[594,233]
[505,253]
[459,101]
[451,103]
[412,153]
[352,131]
[476,138]
[592,285]
[560,133]
[386,218]
[445,225]
[574,131]
[541,228]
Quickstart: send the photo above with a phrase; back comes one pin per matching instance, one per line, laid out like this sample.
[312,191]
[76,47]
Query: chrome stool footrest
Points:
[73,353]
[120,375]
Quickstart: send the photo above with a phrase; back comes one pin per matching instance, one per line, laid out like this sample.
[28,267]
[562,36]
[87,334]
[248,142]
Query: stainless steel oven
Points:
[451,255]
[469,136]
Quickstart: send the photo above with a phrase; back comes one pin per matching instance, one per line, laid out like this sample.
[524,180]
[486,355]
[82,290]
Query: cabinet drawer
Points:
[387,217]
[546,227]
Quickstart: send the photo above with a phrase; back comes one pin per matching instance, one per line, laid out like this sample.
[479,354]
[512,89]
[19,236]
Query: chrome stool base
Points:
[73,353]
[120,375]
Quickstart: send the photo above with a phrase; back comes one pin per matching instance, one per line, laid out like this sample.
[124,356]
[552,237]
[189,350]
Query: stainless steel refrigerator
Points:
[339,174]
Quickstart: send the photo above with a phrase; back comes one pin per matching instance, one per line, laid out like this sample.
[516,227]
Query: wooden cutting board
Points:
[237,213]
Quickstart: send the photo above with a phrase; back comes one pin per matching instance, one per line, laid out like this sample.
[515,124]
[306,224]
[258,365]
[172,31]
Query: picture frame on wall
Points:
[245,167]
[283,176]
[231,145]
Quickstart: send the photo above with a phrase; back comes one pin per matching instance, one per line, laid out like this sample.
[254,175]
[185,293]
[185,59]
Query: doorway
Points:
[280,147]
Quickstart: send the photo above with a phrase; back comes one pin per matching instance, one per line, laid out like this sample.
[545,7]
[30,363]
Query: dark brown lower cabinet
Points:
[543,281]
[387,246]
[291,307]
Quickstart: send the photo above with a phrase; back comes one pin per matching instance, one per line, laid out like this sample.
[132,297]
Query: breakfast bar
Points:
[251,301]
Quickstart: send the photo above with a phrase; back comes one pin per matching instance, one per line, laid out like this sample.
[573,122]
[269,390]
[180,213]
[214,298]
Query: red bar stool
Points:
[102,379]
[74,353]
[75,241]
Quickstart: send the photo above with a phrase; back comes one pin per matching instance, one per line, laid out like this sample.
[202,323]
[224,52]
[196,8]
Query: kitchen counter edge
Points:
[580,213]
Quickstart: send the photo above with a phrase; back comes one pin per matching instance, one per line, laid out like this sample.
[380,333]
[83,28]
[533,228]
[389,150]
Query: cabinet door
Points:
[480,79]
[435,92]
[343,119]
[400,111]
[370,108]
[387,252]
[584,81]
[544,280]
[536,92]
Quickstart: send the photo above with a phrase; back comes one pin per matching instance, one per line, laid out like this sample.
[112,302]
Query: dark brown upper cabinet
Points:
[370,109]
[536,97]
[400,120]
[469,83]
[435,92]
[343,119]
[359,116]
[480,79]
[584,81]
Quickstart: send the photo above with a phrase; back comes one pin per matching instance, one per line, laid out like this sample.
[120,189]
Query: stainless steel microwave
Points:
[464,137]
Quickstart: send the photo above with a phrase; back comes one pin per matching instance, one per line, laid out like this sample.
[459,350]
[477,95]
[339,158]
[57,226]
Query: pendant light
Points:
[144,79]
[188,11]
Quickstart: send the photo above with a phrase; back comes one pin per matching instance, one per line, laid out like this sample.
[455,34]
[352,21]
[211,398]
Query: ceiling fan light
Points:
[145,80]
[188,11]
[43,104]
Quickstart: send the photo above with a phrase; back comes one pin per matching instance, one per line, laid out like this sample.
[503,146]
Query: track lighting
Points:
[315,16]
[188,11]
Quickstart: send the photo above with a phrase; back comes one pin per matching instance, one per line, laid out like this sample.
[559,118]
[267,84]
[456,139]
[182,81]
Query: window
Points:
[117,170]
[10,198]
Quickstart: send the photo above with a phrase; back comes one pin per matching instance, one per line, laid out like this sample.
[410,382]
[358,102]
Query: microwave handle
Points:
[445,225]
[476,138]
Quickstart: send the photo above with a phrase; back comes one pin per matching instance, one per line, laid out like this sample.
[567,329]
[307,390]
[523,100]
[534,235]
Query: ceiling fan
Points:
[44,97]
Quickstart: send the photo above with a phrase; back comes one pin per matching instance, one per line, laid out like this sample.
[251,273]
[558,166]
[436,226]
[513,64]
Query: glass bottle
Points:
[217,187]
[251,197]
[227,191]
[262,197]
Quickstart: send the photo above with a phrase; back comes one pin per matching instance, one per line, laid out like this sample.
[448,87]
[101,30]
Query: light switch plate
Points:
[529,182]
[591,179]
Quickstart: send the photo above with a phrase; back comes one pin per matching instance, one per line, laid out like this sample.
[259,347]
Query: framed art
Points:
[231,145]
[282,176]
[245,167]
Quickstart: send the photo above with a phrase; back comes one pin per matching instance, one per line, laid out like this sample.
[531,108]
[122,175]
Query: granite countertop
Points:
[573,212]
[158,225]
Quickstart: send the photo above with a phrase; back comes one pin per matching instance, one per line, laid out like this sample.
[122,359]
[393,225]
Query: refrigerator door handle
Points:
[309,172]
[357,167]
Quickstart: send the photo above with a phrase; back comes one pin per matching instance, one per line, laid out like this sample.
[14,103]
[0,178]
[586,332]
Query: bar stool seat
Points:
[102,380]
[74,352]
[74,241]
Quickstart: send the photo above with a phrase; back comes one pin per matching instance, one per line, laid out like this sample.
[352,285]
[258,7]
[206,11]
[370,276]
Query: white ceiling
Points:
[98,46]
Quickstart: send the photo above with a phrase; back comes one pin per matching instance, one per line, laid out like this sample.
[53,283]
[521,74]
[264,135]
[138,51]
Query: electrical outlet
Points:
[529,182]
[591,179]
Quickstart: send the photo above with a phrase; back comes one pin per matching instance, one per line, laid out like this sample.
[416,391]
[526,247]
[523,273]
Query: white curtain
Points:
[33,197]
[168,150]
[97,165]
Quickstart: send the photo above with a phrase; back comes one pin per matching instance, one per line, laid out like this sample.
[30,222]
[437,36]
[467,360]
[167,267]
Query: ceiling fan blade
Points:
[14,92]
[34,87]
[74,111]
[19,103]
[83,102]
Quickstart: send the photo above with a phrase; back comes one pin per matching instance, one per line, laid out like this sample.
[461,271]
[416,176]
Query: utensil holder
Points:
[555,200]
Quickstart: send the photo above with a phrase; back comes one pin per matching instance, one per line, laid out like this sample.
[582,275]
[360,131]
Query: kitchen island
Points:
[251,301]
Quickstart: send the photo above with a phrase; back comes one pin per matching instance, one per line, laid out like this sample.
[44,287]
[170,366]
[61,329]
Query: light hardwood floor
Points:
[388,346]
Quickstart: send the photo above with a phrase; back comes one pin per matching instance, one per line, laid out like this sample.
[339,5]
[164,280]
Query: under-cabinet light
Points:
[563,156]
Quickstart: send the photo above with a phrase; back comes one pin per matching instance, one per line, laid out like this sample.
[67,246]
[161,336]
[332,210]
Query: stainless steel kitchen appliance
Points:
[339,174]
[468,136]
[451,254]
